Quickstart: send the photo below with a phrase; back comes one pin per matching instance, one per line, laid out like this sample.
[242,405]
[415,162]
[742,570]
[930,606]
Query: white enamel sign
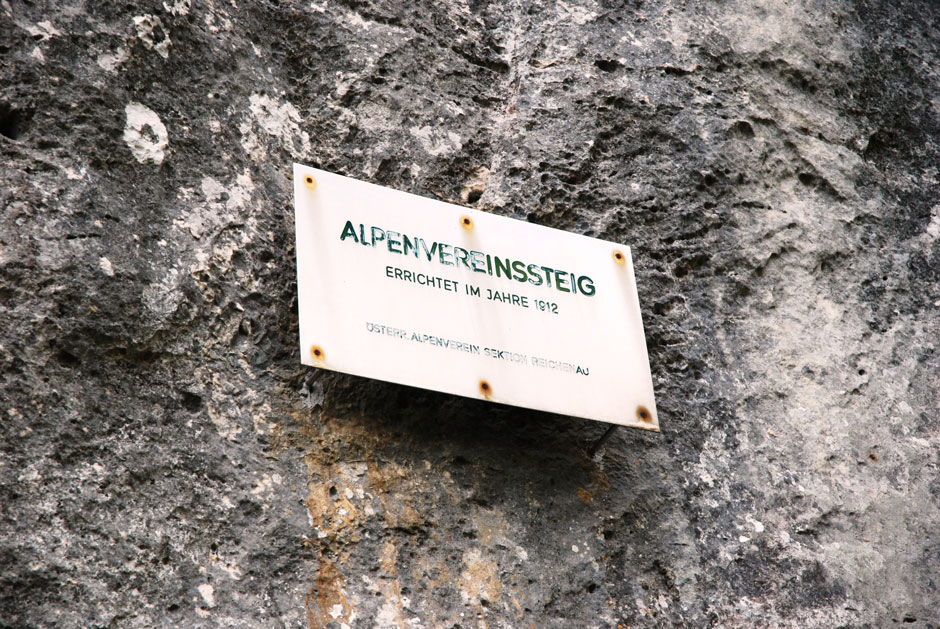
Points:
[419,292]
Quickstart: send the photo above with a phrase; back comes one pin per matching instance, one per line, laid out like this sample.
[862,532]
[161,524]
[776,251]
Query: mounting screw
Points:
[486,389]
[643,414]
[467,223]
[317,352]
[310,182]
[619,258]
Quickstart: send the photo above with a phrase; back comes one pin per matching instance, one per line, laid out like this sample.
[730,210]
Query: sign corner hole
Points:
[310,182]
[466,222]
[619,258]
[643,414]
[485,388]
[317,352]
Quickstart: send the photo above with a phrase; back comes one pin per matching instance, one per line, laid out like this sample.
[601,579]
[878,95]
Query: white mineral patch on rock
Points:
[265,485]
[145,134]
[178,7]
[105,265]
[281,121]
[222,410]
[579,15]
[933,229]
[208,594]
[43,30]
[389,615]
[164,296]
[109,61]
[216,21]
[151,31]
[222,206]
[437,142]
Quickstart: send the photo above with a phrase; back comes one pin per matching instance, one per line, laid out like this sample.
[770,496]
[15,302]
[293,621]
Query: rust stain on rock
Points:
[480,578]
[388,558]
[327,594]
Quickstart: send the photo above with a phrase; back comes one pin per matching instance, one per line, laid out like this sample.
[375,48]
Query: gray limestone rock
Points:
[166,461]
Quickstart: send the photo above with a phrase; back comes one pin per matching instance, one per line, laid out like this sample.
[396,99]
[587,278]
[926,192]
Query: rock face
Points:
[166,461]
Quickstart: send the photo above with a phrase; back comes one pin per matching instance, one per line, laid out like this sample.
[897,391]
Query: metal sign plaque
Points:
[424,293]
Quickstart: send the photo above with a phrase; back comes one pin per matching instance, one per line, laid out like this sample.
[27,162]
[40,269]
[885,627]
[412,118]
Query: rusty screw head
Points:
[310,182]
[643,414]
[467,223]
[485,388]
[619,258]
[317,352]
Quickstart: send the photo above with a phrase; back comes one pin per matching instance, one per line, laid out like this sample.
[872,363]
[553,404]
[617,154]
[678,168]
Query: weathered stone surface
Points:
[166,460]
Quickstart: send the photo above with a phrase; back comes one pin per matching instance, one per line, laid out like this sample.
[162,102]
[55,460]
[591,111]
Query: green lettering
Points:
[474,261]
[348,231]
[393,241]
[441,253]
[461,255]
[534,277]
[500,265]
[548,275]
[424,245]
[413,245]
[586,285]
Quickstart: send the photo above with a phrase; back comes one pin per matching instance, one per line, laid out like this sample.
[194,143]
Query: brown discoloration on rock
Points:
[479,580]
[332,511]
[389,558]
[395,490]
[327,598]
